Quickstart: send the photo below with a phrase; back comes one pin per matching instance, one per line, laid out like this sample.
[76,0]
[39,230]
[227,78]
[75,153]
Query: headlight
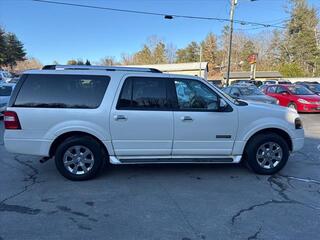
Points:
[277,101]
[300,100]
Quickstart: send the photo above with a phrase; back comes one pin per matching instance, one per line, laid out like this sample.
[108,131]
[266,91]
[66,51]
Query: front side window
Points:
[143,93]
[62,91]
[194,95]
[281,89]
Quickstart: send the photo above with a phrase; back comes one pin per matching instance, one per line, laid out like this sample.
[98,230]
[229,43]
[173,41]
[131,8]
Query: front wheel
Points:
[267,153]
[79,158]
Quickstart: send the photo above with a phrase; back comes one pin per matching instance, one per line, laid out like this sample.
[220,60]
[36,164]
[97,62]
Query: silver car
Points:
[249,92]
[5,93]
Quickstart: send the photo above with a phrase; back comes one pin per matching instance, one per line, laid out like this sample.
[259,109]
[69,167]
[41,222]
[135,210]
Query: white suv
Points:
[85,116]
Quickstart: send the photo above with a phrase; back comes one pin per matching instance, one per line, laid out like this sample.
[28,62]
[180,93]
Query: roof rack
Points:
[104,68]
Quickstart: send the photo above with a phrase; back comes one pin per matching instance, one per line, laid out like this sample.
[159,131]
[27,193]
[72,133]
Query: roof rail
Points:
[105,68]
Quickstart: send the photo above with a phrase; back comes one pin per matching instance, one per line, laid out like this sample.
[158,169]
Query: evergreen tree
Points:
[301,37]
[88,63]
[189,54]
[159,54]
[144,56]
[2,47]
[14,50]
[209,49]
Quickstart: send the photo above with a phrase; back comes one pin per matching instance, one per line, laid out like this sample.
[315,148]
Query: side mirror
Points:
[285,93]
[222,104]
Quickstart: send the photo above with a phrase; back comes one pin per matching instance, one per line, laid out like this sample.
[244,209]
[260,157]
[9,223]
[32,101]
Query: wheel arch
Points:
[277,131]
[58,140]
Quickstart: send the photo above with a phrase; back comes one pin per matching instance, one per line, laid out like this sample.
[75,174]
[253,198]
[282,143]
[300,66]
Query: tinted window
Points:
[251,90]
[62,91]
[272,89]
[281,89]
[143,93]
[5,91]
[194,95]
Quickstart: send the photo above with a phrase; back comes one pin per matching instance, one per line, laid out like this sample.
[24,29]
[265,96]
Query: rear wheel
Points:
[267,153]
[79,158]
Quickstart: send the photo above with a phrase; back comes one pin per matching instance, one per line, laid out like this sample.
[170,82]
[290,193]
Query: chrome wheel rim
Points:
[78,160]
[269,155]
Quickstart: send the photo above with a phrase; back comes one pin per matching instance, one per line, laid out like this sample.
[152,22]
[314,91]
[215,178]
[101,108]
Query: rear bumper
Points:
[28,146]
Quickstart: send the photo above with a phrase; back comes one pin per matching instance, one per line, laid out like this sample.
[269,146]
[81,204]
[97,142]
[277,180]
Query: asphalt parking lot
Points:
[180,202]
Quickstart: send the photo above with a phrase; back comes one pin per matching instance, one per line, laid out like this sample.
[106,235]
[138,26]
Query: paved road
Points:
[180,202]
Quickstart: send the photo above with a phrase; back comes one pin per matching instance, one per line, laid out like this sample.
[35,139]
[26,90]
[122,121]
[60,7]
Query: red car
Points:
[294,96]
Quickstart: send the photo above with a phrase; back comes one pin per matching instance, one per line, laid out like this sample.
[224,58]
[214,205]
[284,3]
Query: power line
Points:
[165,15]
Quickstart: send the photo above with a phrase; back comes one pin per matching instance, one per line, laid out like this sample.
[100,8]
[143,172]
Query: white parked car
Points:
[85,116]
[5,93]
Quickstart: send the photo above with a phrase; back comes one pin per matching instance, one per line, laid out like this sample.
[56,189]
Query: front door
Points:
[200,127]
[141,121]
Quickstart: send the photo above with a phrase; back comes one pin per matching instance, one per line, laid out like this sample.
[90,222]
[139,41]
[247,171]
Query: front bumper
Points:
[297,144]
[315,108]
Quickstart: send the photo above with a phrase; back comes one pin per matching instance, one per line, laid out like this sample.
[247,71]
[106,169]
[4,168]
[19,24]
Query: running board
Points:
[141,160]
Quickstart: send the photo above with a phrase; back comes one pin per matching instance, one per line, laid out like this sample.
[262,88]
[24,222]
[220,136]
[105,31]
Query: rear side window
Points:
[143,93]
[62,91]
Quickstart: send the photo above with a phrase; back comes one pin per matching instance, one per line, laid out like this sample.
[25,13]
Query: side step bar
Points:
[227,159]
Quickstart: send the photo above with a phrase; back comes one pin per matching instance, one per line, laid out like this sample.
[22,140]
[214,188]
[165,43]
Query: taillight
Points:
[11,120]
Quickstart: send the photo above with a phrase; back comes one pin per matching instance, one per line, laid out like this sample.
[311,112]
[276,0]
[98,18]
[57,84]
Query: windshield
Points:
[314,87]
[247,91]
[231,99]
[300,90]
[5,91]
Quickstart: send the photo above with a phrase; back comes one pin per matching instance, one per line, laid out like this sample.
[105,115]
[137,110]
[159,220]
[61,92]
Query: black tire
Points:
[292,105]
[253,146]
[98,155]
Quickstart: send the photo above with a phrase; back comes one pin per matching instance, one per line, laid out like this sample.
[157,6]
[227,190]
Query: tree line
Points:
[293,50]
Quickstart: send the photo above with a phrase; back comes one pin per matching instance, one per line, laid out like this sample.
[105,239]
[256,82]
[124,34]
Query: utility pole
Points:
[233,4]
[200,60]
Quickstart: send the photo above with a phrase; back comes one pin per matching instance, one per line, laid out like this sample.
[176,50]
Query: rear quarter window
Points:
[62,91]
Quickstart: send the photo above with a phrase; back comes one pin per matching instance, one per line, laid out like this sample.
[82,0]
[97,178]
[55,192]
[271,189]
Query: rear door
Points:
[200,128]
[141,120]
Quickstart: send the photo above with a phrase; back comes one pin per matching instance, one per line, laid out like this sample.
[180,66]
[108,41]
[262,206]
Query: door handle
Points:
[120,117]
[186,118]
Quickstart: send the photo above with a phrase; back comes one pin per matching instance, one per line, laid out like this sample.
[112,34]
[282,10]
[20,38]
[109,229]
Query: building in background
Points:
[260,76]
[192,68]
